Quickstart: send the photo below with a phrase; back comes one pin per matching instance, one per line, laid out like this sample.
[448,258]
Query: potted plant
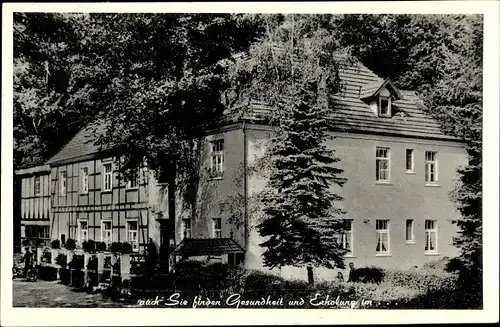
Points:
[61,260]
[100,246]
[126,248]
[90,246]
[55,244]
[115,247]
[70,244]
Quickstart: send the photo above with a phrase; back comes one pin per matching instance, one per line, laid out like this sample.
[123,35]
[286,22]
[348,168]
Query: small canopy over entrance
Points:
[193,247]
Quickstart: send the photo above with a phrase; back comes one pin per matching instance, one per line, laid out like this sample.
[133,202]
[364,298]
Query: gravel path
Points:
[50,294]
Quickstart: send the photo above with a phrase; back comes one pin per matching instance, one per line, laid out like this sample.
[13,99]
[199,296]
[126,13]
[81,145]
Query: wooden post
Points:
[100,267]
[69,257]
[53,255]
[86,258]
[125,267]
[39,253]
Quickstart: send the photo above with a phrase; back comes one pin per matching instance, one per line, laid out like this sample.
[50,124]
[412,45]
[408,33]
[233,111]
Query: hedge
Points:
[426,289]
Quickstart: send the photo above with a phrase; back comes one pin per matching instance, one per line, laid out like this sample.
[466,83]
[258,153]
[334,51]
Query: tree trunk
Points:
[310,276]
[167,232]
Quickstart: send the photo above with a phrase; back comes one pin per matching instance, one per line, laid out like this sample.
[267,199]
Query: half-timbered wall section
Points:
[35,208]
[91,200]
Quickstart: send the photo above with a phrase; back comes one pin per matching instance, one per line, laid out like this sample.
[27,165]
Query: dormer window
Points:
[384,106]
[379,96]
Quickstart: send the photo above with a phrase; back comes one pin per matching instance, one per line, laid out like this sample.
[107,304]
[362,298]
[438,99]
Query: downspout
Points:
[245,182]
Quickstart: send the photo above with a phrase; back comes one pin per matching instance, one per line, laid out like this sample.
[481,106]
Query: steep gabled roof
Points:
[351,114]
[83,145]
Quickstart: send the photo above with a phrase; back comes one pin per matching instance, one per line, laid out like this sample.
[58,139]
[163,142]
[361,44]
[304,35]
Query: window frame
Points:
[386,159]
[379,232]
[347,233]
[85,180]
[389,106]
[80,240]
[412,162]
[103,230]
[216,231]
[105,174]
[37,186]
[186,228]
[412,239]
[134,177]
[427,235]
[217,168]
[428,164]
[134,244]
[62,183]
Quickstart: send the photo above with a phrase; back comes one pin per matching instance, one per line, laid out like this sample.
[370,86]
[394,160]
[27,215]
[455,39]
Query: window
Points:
[186,228]
[384,107]
[85,180]
[62,177]
[108,177]
[409,159]
[37,185]
[430,236]
[217,157]
[132,234]
[346,236]
[106,231]
[83,230]
[133,179]
[217,228]
[409,231]
[383,164]
[430,167]
[383,240]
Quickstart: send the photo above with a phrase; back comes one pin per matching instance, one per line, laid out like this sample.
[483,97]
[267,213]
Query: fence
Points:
[77,266]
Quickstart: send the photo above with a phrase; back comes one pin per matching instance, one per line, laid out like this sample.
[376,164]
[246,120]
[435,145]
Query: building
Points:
[33,208]
[91,200]
[400,169]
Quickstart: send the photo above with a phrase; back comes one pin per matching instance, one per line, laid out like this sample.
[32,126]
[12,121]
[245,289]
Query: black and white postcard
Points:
[266,158]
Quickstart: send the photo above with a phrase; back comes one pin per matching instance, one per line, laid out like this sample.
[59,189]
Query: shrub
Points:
[258,280]
[126,248]
[367,275]
[61,260]
[421,280]
[100,247]
[115,247]
[190,275]
[88,246]
[223,276]
[70,244]
[439,264]
[92,263]
[454,264]
[55,244]
[77,262]
[47,256]
[107,262]
[117,265]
